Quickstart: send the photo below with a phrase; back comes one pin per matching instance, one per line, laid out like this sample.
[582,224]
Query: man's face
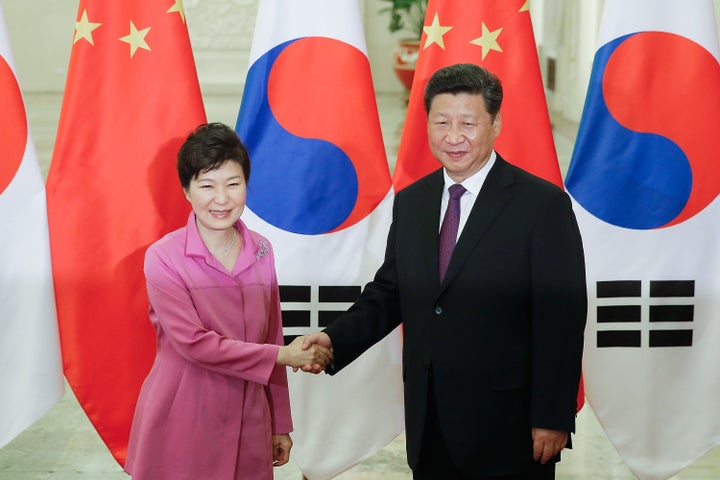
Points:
[461,133]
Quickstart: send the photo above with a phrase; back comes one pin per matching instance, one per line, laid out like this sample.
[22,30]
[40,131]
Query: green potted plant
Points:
[407,16]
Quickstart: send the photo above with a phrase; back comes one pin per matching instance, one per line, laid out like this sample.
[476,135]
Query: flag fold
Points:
[131,97]
[30,366]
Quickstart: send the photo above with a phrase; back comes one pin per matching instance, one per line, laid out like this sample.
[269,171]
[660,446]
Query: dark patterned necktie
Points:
[449,229]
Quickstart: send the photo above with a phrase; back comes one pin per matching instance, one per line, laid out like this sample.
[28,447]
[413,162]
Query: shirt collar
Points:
[474,183]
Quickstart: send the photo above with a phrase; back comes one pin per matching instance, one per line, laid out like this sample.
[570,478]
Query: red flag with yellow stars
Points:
[498,36]
[132,96]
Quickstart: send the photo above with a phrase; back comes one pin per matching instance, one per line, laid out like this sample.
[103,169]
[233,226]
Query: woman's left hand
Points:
[281,449]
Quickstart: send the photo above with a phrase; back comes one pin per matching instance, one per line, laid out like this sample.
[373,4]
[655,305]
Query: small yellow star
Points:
[526,7]
[435,33]
[84,29]
[136,39]
[178,7]
[488,40]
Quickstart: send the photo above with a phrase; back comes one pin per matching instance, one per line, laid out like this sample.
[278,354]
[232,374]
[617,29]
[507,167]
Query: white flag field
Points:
[30,365]
[645,179]
[320,190]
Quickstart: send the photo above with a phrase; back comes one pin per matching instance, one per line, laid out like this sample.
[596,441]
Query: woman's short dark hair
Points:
[207,148]
[465,78]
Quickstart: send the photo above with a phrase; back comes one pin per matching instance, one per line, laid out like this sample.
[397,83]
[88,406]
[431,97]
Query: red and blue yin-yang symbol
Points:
[647,153]
[310,123]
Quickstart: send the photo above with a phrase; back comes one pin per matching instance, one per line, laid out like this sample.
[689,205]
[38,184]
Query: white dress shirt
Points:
[473,185]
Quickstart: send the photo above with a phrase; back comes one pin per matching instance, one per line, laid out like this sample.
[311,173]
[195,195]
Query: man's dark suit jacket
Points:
[503,333]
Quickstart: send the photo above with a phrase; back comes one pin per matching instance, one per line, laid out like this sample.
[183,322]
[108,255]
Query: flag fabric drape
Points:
[320,190]
[645,178]
[131,97]
[30,367]
[499,37]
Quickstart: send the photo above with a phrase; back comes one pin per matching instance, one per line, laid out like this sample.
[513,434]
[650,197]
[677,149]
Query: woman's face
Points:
[218,196]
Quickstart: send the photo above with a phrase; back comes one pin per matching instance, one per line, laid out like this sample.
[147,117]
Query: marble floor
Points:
[64,446]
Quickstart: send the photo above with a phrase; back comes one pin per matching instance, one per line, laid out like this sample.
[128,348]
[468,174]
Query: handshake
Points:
[309,353]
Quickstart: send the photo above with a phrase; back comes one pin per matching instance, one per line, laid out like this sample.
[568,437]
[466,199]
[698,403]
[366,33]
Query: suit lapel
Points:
[491,200]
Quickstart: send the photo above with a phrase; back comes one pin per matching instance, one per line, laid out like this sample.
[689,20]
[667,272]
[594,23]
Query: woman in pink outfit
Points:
[215,404]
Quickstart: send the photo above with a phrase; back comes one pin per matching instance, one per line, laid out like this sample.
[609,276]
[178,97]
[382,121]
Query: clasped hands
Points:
[309,353]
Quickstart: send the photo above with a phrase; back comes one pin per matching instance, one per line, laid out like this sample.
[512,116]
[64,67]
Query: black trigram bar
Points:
[339,293]
[296,318]
[672,313]
[618,313]
[618,288]
[294,293]
[671,338]
[672,288]
[618,338]
[335,294]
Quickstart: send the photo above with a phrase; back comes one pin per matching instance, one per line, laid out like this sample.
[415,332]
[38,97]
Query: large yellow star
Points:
[84,29]
[136,38]
[488,40]
[435,33]
[178,7]
[526,7]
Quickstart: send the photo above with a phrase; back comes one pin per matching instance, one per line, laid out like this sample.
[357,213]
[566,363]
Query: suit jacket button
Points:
[438,310]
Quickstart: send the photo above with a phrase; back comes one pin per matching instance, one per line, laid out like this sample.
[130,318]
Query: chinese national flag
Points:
[132,95]
[497,35]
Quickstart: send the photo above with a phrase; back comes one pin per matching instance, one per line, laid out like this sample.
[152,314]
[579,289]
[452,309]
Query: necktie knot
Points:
[456,191]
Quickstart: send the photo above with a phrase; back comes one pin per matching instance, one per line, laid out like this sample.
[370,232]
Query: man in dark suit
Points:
[493,331]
